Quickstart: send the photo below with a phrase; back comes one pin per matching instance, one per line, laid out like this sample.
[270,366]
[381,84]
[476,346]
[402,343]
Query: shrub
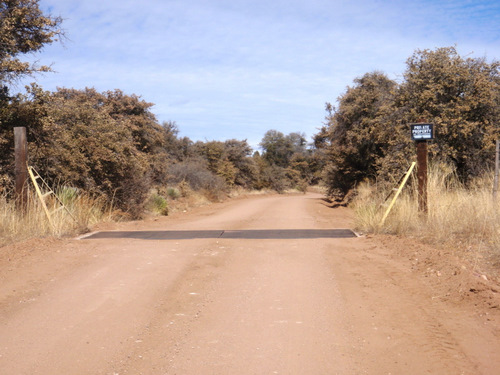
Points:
[173,193]
[463,216]
[195,173]
[158,204]
[184,189]
[275,177]
[367,136]
[67,195]
[85,211]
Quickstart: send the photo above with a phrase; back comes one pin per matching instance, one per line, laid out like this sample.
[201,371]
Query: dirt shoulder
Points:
[375,304]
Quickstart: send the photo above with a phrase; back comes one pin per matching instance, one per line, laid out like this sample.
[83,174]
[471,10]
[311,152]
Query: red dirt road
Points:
[375,305]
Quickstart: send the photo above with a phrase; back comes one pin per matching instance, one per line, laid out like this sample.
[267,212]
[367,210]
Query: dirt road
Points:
[154,304]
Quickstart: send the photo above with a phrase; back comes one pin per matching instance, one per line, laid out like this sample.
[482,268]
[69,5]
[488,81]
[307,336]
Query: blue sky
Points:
[225,69]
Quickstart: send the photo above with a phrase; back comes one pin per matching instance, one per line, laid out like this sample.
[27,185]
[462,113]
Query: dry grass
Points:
[466,218]
[84,211]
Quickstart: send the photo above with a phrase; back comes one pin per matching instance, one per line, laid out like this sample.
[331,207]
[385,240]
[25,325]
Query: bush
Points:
[302,186]
[158,204]
[195,173]
[367,135]
[275,177]
[184,189]
[85,211]
[67,195]
[173,193]
[459,215]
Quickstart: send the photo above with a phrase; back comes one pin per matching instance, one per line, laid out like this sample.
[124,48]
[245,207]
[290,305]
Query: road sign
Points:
[422,132]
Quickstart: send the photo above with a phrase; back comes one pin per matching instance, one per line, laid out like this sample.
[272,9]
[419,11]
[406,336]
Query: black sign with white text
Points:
[422,132]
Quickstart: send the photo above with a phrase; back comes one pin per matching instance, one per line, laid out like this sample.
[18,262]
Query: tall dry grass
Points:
[458,215]
[82,212]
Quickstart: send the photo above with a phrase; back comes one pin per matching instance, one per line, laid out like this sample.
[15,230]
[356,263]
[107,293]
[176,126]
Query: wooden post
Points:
[421,132]
[497,167]
[21,167]
[422,175]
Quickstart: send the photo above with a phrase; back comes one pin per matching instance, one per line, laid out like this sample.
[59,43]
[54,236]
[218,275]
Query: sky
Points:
[234,69]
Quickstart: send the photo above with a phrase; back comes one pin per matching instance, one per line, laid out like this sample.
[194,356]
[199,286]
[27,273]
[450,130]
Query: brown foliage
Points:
[461,96]
[23,29]
[229,160]
[353,138]
[106,143]
[368,135]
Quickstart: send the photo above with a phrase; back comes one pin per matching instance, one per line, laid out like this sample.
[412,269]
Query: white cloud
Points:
[237,68]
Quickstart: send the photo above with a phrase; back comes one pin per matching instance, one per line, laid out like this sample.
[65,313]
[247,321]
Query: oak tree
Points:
[352,137]
[24,29]
[461,96]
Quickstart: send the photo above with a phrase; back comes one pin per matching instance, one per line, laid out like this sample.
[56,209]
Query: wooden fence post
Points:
[422,132]
[422,175]
[497,167]
[21,167]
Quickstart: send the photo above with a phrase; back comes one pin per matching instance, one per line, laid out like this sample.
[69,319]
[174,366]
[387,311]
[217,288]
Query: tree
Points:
[106,143]
[461,96]
[230,160]
[24,29]
[238,153]
[352,136]
[368,135]
[278,148]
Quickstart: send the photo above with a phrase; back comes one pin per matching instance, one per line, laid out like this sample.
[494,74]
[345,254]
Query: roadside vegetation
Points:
[110,159]
[368,147]
[109,146]
[367,135]
[464,218]
[84,211]
[111,151]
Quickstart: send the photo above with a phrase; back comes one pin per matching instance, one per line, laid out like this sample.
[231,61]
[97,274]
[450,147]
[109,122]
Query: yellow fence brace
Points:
[35,176]
[401,186]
